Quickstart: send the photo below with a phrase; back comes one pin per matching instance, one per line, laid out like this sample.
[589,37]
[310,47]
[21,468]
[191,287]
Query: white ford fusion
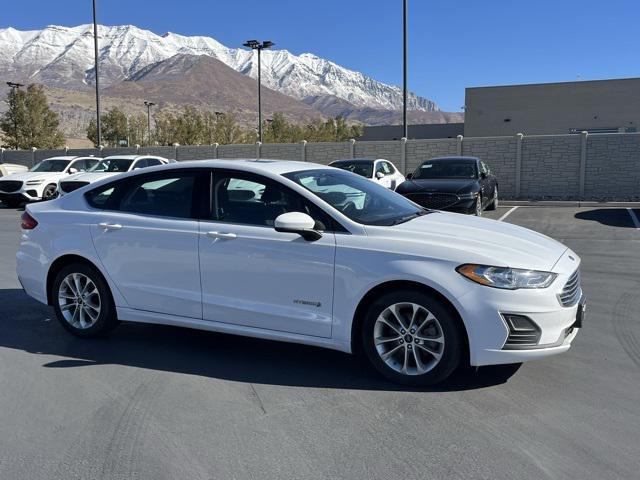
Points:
[108,167]
[40,182]
[302,253]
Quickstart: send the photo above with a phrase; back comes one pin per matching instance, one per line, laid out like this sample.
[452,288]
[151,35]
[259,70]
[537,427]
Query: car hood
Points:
[89,176]
[453,185]
[468,239]
[23,177]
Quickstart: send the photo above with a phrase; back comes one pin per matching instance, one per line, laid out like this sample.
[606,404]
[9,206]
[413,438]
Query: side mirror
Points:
[297,222]
[483,175]
[409,176]
[379,175]
[73,170]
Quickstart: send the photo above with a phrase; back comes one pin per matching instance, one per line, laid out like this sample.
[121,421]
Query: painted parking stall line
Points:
[507,213]
[634,217]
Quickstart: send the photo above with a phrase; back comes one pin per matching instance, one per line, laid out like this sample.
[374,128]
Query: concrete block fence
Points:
[538,167]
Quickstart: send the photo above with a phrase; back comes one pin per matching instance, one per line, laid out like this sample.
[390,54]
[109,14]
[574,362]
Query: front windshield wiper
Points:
[406,218]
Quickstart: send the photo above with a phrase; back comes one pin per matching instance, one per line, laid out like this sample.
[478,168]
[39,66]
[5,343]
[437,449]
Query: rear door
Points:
[146,236]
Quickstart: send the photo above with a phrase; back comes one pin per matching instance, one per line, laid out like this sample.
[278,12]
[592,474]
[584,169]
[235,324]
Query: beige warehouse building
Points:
[600,106]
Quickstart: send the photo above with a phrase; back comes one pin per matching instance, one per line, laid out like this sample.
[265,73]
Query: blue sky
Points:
[453,44]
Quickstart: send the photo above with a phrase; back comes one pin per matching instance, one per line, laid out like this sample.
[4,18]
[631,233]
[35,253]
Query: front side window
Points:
[446,168]
[359,199]
[79,165]
[389,168]
[254,200]
[50,166]
[113,165]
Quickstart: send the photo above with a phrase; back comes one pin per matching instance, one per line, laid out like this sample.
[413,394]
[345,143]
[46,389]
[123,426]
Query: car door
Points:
[487,183]
[254,276]
[394,175]
[146,236]
[381,170]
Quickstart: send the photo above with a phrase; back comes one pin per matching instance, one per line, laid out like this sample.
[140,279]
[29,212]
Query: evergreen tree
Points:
[29,121]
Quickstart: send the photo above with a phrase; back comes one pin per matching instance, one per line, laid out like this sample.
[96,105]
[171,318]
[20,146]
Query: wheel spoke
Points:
[386,355]
[430,318]
[71,287]
[419,365]
[67,306]
[439,339]
[381,340]
[88,313]
[396,312]
[434,353]
[405,364]
[387,323]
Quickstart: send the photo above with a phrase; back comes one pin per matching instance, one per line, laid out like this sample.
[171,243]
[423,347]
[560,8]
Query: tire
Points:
[495,201]
[439,358]
[49,192]
[478,207]
[87,321]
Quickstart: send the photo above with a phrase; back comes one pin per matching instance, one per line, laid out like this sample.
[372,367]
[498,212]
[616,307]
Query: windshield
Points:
[359,199]
[364,169]
[446,168]
[50,166]
[113,165]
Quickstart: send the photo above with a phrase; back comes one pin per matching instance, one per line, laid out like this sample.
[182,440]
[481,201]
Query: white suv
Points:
[107,167]
[377,170]
[40,182]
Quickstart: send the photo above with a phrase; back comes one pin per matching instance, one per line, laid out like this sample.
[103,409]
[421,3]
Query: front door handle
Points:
[110,226]
[226,236]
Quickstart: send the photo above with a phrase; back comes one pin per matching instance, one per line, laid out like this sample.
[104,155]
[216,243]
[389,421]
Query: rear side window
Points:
[142,163]
[152,162]
[166,196]
[99,197]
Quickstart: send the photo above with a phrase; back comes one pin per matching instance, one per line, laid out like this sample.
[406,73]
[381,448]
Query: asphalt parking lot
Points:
[153,402]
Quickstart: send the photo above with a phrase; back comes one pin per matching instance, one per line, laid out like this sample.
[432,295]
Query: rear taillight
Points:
[28,222]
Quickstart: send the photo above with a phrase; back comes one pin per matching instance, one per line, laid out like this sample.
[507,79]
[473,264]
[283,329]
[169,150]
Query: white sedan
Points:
[377,170]
[278,250]
[40,182]
[108,167]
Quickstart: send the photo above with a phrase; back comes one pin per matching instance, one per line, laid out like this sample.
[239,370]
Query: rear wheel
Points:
[411,338]
[82,301]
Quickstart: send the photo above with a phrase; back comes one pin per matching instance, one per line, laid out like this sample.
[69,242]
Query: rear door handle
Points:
[110,226]
[226,236]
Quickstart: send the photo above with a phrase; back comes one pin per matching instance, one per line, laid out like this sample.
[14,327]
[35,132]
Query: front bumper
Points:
[484,310]
[27,194]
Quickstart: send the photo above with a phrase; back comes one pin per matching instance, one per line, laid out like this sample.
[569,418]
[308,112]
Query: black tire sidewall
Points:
[452,355]
[106,320]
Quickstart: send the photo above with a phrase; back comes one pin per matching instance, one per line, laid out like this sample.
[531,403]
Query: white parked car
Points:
[107,167]
[11,168]
[40,182]
[278,250]
[378,170]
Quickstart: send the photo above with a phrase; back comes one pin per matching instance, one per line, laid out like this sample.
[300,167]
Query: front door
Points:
[257,277]
[147,240]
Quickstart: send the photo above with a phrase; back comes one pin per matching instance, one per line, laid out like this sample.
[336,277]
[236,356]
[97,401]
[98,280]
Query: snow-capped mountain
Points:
[63,57]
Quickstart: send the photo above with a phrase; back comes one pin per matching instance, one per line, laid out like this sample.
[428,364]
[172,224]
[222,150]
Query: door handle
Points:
[226,236]
[110,226]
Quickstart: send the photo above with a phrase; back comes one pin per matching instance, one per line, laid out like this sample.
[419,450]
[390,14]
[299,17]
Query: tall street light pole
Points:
[256,45]
[95,52]
[405,131]
[149,105]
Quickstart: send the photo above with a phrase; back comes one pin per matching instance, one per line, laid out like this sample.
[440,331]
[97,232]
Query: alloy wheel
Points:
[479,207]
[79,301]
[408,338]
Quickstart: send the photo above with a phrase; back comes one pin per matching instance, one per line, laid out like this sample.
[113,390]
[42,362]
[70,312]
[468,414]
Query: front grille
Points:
[71,186]
[571,292]
[10,185]
[436,201]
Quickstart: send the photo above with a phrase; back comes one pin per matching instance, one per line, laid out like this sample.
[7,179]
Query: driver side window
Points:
[253,200]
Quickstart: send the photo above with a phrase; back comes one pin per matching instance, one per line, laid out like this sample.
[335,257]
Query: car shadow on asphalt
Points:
[614,217]
[31,327]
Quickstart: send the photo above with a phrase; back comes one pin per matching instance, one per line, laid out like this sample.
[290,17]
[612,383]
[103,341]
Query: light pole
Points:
[405,7]
[256,45]
[149,105]
[95,53]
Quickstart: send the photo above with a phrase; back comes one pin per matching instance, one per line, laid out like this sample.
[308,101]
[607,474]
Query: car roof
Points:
[455,157]
[72,157]
[129,157]
[274,167]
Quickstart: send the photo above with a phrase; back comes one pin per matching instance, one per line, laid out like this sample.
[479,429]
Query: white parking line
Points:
[634,218]
[507,213]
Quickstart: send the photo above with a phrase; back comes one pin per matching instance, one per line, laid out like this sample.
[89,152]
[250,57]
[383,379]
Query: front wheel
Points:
[83,302]
[49,193]
[478,207]
[411,338]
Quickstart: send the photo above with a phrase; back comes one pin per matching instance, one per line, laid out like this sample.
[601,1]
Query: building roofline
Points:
[546,84]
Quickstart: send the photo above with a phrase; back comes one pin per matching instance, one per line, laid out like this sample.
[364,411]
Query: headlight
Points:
[35,182]
[467,196]
[508,278]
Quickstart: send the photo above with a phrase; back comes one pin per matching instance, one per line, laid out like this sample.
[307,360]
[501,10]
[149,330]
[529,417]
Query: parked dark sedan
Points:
[459,184]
